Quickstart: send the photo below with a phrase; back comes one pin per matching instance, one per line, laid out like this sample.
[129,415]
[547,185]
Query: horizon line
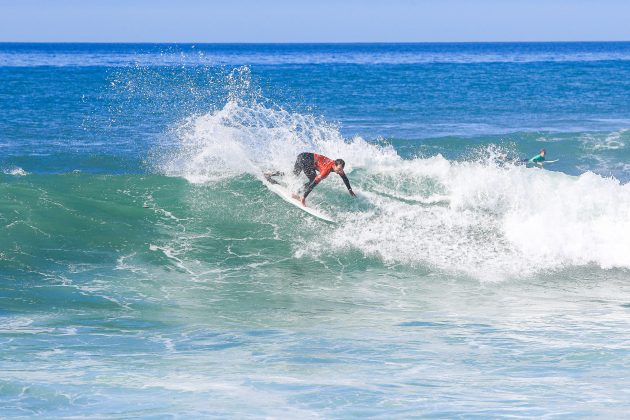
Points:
[309,42]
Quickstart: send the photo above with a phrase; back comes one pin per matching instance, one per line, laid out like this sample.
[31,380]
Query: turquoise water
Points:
[146,271]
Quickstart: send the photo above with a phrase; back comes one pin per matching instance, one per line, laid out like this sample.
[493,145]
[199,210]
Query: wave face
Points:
[146,271]
[484,217]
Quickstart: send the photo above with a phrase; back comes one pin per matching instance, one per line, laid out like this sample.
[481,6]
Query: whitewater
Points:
[147,271]
[485,217]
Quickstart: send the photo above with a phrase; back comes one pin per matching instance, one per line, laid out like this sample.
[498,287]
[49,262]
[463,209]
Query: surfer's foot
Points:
[300,199]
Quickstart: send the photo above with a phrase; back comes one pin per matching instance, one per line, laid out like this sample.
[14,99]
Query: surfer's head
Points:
[542,152]
[339,165]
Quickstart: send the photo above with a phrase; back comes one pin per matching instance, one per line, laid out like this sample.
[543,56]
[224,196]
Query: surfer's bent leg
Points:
[305,162]
[308,187]
[297,168]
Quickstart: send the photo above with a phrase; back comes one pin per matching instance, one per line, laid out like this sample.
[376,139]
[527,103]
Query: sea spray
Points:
[249,134]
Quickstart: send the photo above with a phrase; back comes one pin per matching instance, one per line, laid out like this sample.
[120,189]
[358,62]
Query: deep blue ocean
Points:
[147,271]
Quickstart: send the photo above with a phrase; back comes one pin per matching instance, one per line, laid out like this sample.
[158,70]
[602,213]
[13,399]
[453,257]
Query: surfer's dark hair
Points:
[340,162]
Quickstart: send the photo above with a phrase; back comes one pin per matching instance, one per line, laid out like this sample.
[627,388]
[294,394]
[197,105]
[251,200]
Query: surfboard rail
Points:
[280,190]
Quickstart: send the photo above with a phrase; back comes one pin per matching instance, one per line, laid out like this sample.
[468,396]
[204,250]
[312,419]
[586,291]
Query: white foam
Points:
[15,171]
[171,255]
[496,221]
[613,141]
[486,219]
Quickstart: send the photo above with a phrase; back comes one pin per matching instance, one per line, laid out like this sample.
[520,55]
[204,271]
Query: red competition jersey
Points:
[323,165]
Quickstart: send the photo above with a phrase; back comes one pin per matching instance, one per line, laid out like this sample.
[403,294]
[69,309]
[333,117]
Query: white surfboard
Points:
[540,164]
[286,195]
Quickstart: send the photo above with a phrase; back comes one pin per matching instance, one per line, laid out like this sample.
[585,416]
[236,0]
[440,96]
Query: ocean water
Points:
[146,271]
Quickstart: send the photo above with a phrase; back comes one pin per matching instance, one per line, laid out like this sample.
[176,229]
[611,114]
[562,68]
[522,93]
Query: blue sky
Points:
[313,21]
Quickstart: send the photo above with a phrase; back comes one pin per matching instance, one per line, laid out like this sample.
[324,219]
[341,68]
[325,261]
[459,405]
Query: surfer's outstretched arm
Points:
[347,182]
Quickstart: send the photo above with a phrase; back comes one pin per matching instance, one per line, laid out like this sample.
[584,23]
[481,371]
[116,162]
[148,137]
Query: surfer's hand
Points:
[352,193]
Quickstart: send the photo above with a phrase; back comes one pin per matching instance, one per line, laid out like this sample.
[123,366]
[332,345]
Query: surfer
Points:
[539,159]
[310,164]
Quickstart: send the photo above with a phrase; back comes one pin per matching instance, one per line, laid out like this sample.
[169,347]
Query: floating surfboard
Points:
[551,161]
[284,193]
